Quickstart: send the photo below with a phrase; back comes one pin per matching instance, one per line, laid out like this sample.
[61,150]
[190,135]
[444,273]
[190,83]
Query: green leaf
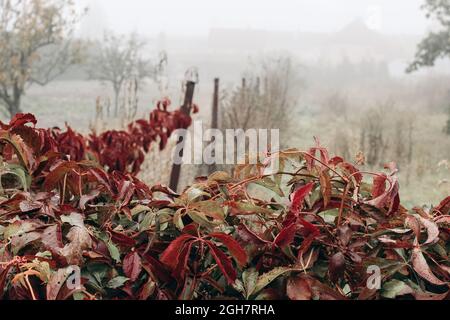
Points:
[96,273]
[201,219]
[330,215]
[195,193]
[74,219]
[178,219]
[220,177]
[267,278]
[209,208]
[78,296]
[395,288]
[249,278]
[117,282]
[113,251]
[20,175]
[148,220]
[139,209]
[245,208]
[270,184]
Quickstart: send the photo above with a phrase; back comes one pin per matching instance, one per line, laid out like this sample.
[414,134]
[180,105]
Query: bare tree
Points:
[265,99]
[36,46]
[119,59]
[372,138]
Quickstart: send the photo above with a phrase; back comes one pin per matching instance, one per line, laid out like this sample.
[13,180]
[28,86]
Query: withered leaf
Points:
[336,267]
[298,288]
[420,265]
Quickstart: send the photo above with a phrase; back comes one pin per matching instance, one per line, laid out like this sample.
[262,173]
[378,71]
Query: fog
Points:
[197,17]
[337,66]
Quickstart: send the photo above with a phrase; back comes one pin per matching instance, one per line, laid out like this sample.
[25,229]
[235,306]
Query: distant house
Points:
[355,41]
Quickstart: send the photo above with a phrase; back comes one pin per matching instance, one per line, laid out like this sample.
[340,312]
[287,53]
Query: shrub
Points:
[322,226]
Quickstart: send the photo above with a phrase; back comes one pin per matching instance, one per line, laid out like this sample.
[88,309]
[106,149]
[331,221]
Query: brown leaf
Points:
[80,240]
[324,292]
[413,223]
[88,197]
[298,288]
[132,266]
[344,234]
[432,230]
[325,187]
[57,280]
[336,267]
[443,220]
[20,241]
[420,265]
[431,296]
[52,238]
[29,205]
[379,185]
[444,207]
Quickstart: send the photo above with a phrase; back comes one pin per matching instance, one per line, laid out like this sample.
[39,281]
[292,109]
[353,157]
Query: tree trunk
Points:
[14,107]
[116,101]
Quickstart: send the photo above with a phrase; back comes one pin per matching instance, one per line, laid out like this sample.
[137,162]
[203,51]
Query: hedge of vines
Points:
[317,228]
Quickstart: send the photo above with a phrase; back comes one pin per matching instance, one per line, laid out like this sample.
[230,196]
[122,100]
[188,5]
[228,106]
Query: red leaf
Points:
[171,255]
[233,247]
[58,173]
[312,229]
[389,196]
[324,157]
[298,288]
[102,178]
[122,239]
[420,265]
[432,230]
[18,120]
[379,185]
[352,170]
[286,236]
[155,268]
[223,262]
[307,243]
[183,259]
[299,196]
[335,161]
[444,207]
[132,266]
[52,238]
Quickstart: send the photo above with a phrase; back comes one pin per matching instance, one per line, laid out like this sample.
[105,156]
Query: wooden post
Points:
[186,109]
[215,117]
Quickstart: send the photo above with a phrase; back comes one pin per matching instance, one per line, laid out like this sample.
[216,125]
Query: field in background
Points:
[335,116]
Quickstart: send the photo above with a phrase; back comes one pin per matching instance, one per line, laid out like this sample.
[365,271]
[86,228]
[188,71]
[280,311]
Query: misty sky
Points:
[197,17]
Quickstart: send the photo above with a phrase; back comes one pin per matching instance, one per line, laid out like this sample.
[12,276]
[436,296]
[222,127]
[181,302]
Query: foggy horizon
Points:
[197,18]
